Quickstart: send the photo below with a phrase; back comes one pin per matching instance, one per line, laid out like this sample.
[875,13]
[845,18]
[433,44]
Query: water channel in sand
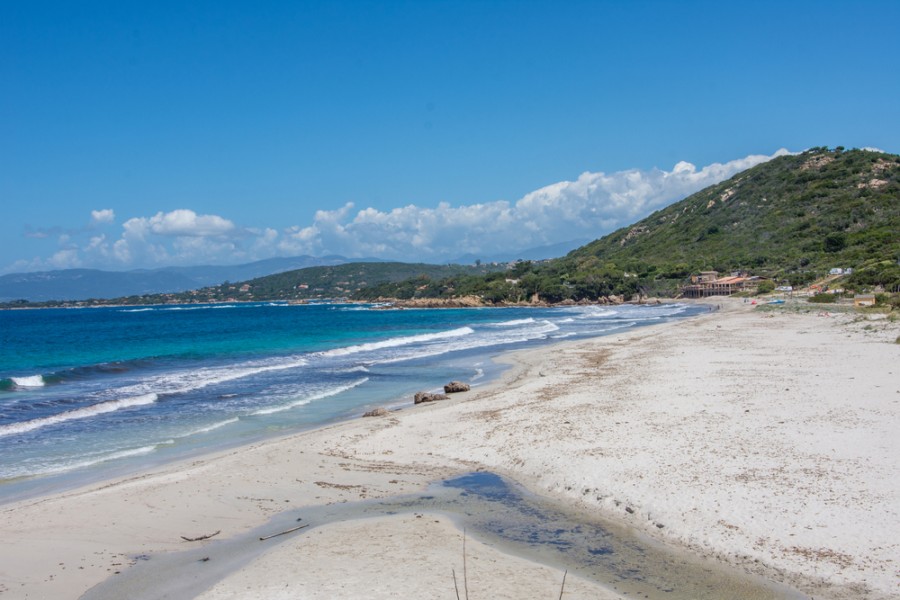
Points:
[491,509]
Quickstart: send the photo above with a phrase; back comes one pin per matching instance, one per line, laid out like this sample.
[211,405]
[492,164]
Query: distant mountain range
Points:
[80,284]
[537,253]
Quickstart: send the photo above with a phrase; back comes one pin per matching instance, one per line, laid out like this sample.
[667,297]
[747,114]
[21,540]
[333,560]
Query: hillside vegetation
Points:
[341,280]
[78,284]
[311,283]
[791,219]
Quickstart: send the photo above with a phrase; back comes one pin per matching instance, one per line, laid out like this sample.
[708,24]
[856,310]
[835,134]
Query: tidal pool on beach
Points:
[489,508]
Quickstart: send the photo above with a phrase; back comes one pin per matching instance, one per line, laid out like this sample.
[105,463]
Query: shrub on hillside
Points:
[765,287]
[824,298]
[891,300]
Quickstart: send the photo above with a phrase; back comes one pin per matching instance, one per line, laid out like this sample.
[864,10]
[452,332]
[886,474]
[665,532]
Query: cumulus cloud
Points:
[176,237]
[590,206]
[67,258]
[105,215]
[188,223]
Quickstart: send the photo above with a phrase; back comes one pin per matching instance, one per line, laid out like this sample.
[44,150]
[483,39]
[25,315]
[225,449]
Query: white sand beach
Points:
[767,440]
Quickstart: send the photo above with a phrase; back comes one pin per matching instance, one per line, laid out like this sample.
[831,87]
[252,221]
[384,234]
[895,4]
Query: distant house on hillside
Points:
[708,283]
[864,300]
[705,277]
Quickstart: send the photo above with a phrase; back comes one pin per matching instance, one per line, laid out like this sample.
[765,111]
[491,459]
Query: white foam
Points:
[513,323]
[485,339]
[29,381]
[186,381]
[515,336]
[400,341]
[547,327]
[88,461]
[212,427]
[319,396]
[204,307]
[277,409]
[593,312]
[136,310]
[611,328]
[79,413]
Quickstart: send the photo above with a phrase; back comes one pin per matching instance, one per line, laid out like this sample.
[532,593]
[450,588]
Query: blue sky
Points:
[158,133]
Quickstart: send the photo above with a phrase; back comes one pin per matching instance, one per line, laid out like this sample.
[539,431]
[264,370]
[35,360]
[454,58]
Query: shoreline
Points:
[581,422]
[156,453]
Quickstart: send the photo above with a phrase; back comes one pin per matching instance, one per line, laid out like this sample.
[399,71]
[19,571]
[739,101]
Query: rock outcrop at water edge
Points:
[421,397]
[456,386]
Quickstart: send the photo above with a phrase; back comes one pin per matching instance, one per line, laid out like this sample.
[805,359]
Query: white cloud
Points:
[105,215]
[177,237]
[185,222]
[65,259]
[591,206]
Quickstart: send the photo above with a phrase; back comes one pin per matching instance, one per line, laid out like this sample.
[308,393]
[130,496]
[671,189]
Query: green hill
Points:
[792,218]
[311,283]
[342,280]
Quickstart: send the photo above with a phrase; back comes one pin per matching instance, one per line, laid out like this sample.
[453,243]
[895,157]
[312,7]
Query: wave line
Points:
[78,413]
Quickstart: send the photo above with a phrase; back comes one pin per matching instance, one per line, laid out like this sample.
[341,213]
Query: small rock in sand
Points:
[456,386]
[376,412]
[421,397]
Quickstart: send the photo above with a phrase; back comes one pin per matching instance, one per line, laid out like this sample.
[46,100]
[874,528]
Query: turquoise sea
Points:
[88,393]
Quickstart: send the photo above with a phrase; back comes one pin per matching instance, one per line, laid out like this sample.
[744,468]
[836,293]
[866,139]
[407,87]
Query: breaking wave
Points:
[400,341]
[78,413]
[29,381]
[318,396]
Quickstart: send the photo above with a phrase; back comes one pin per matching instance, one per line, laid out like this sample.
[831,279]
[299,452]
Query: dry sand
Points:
[398,557]
[765,439]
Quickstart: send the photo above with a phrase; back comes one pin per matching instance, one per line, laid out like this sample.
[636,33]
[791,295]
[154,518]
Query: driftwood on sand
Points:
[268,537]
[202,537]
